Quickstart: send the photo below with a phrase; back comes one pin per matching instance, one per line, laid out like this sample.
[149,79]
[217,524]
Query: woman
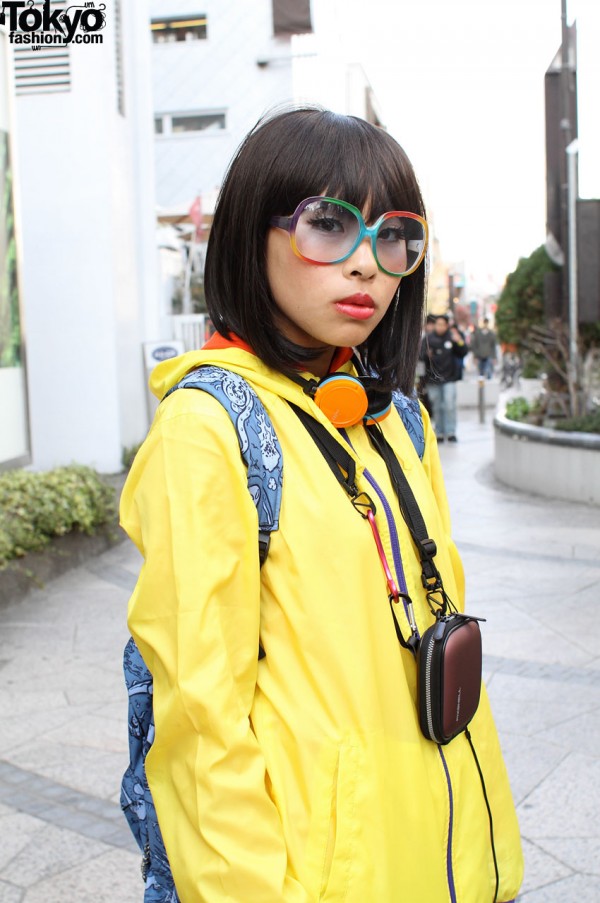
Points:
[303,775]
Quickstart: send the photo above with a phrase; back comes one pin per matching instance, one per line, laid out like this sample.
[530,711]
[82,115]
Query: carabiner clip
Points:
[364,504]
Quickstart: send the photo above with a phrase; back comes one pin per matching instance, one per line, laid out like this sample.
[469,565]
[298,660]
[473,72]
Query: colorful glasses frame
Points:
[289,223]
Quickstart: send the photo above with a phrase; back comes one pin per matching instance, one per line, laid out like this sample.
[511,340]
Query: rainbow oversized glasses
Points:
[327,230]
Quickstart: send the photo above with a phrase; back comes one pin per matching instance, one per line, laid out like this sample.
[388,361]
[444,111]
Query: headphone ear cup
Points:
[343,399]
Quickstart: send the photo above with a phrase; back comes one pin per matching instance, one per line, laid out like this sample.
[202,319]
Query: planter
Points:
[477,393]
[19,577]
[547,462]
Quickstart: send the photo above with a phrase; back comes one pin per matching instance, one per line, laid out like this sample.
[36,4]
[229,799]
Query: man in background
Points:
[442,350]
[483,346]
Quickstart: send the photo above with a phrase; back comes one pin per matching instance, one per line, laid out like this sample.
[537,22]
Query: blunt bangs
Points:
[287,157]
[319,152]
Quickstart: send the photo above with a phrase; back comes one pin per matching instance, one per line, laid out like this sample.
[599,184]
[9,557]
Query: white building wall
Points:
[89,261]
[219,74]
[240,70]
[14,429]
[588,91]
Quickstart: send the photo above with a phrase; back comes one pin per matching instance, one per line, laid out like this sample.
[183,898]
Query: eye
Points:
[392,233]
[325,222]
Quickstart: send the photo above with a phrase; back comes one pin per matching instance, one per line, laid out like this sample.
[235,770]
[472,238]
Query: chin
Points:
[355,334]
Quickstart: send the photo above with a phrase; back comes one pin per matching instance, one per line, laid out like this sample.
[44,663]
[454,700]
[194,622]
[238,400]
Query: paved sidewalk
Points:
[533,569]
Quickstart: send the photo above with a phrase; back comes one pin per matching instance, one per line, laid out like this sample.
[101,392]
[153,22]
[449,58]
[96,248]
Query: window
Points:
[201,122]
[184,28]
[189,123]
[42,68]
[291,17]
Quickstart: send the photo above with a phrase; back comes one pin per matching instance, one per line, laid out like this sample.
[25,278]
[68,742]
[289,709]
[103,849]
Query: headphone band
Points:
[346,399]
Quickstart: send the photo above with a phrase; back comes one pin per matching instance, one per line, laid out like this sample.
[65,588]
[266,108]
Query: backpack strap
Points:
[259,445]
[410,412]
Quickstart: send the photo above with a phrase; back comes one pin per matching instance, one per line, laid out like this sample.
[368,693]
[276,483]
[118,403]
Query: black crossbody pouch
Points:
[449,664]
[448,655]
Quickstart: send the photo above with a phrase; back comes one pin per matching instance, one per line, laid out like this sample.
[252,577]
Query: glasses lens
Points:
[325,231]
[400,244]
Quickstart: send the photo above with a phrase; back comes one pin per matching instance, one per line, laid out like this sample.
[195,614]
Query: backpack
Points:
[261,452]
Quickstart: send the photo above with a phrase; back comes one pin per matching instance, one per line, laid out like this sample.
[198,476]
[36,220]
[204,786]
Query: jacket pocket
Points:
[336,826]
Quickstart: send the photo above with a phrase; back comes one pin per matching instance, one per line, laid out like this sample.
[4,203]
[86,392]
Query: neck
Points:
[321,365]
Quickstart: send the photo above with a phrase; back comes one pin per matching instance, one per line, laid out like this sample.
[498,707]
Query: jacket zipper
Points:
[449,872]
[395,542]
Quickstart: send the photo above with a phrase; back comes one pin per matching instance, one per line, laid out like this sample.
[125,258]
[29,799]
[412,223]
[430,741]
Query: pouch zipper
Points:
[428,711]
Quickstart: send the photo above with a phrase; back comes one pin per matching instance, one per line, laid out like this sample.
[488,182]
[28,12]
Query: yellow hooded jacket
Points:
[303,776]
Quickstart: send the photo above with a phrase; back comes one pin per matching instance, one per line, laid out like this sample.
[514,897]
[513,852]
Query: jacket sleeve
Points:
[195,616]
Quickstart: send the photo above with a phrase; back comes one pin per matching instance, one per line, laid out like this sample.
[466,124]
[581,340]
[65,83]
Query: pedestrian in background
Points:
[483,346]
[460,361]
[302,774]
[443,350]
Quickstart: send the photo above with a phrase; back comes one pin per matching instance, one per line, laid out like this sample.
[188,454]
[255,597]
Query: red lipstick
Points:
[359,306]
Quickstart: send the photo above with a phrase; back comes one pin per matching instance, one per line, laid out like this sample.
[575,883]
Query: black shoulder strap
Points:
[343,467]
[426,547]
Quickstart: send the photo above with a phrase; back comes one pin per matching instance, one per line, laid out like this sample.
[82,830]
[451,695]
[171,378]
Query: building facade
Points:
[83,129]
[214,73]
[130,124]
[15,443]
[216,70]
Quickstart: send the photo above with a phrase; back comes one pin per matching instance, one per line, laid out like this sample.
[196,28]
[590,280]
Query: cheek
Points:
[284,269]
[391,288]
[289,284]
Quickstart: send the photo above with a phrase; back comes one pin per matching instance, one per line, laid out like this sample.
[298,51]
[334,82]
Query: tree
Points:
[543,343]
[521,302]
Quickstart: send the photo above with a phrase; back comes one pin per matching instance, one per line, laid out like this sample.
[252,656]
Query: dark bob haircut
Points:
[287,157]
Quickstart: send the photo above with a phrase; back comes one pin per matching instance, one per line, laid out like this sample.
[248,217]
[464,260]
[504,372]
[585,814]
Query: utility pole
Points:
[569,195]
[566,131]
[571,151]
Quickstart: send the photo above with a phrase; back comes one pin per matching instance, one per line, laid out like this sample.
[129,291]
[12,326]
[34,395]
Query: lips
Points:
[359,306]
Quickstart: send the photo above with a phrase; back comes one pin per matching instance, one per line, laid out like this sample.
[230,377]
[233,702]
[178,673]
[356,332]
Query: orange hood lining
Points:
[217,341]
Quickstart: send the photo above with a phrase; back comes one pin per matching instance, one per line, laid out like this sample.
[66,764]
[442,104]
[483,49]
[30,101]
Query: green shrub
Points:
[587,423]
[517,408]
[34,507]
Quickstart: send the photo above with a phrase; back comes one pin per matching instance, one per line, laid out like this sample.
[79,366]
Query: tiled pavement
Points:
[533,569]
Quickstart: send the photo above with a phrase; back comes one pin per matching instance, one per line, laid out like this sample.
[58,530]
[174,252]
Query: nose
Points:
[362,261]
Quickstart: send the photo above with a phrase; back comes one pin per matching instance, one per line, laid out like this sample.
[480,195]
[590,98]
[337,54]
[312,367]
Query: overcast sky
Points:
[461,85]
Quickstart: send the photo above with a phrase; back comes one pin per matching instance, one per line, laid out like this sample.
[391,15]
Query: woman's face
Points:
[336,305]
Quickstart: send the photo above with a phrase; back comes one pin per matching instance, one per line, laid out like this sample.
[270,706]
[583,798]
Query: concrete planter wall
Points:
[547,462]
[475,393]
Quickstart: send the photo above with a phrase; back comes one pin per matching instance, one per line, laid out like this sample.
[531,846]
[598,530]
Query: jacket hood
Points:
[166,374]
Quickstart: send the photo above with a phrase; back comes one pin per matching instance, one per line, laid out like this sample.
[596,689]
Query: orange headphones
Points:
[345,399]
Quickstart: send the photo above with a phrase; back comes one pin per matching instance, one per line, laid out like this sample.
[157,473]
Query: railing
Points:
[194,330]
